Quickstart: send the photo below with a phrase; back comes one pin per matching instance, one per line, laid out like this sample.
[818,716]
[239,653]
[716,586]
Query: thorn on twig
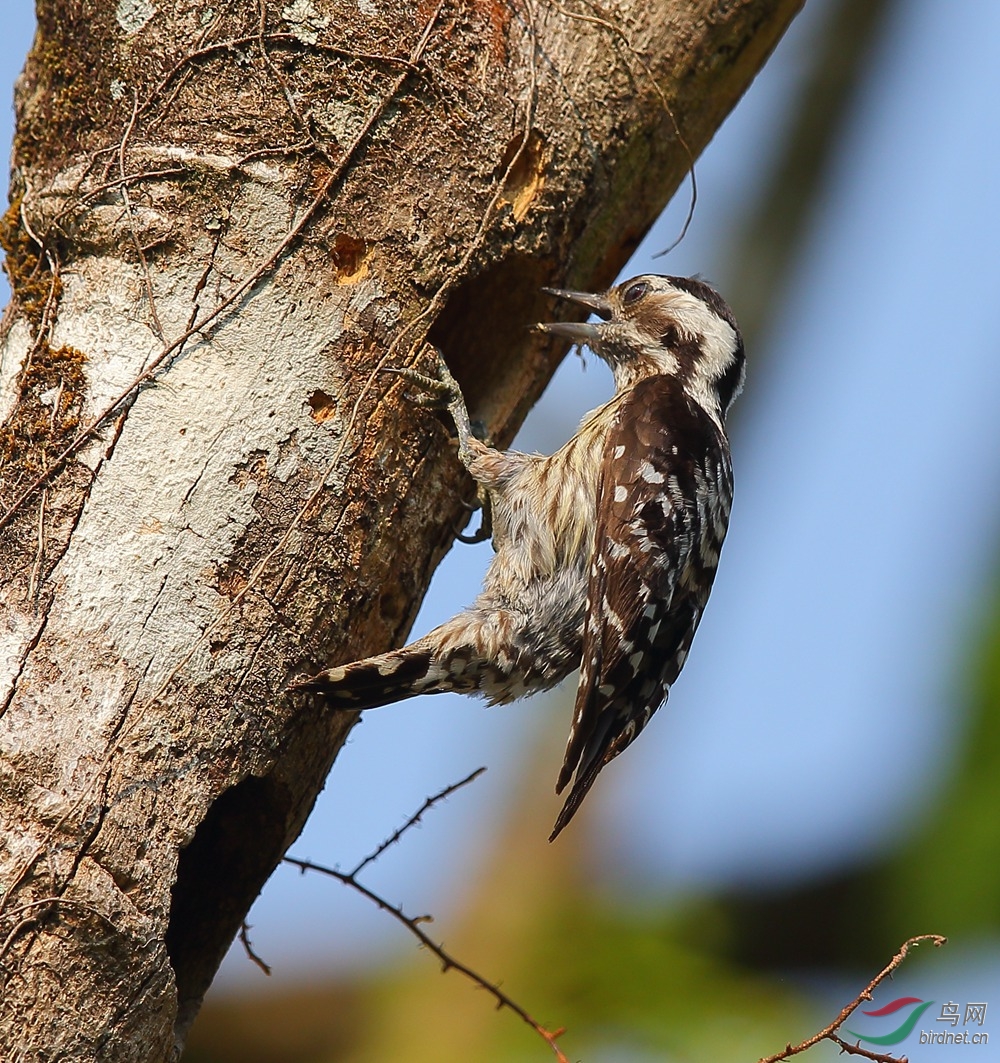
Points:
[428,804]
[248,949]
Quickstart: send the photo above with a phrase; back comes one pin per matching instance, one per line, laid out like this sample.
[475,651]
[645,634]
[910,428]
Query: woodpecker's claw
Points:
[435,393]
[485,529]
[480,535]
[441,392]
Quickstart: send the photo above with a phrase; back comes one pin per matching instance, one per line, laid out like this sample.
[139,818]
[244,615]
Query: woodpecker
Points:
[606,550]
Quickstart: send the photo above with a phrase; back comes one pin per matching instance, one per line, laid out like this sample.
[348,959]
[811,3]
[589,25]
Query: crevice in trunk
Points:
[219,874]
[483,320]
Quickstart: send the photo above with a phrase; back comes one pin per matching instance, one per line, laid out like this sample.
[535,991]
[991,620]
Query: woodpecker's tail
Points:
[584,781]
[380,680]
[591,748]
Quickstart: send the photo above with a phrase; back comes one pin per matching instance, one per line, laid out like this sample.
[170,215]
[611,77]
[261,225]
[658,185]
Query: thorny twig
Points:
[248,949]
[856,1050]
[412,923]
[415,819]
[828,1032]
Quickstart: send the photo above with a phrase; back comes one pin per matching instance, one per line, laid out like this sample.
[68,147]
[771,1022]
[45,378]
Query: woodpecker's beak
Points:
[596,304]
[575,331]
[578,331]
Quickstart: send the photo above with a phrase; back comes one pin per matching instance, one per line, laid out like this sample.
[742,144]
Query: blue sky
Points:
[819,710]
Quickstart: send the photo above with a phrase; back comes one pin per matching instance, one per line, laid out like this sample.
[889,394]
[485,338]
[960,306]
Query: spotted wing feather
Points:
[663,509]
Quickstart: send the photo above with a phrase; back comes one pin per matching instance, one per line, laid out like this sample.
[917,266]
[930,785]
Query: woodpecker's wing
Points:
[662,512]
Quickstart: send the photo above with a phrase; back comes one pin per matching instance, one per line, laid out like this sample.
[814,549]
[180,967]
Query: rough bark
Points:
[223,223]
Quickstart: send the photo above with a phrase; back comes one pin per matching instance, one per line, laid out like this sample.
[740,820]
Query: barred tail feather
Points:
[381,680]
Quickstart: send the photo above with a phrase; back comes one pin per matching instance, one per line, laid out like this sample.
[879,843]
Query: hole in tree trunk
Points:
[219,874]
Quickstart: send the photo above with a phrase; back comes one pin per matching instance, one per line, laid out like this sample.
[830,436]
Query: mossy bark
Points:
[225,221]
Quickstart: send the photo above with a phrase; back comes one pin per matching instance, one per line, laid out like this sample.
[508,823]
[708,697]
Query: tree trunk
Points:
[223,224]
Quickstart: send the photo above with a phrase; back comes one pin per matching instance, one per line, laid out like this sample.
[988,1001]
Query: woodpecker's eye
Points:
[634,292]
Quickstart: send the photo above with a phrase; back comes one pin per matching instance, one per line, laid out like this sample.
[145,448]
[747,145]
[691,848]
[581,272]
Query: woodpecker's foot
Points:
[485,529]
[441,392]
[438,392]
[433,394]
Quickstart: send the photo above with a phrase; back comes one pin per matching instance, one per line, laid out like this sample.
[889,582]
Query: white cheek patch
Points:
[694,318]
[717,339]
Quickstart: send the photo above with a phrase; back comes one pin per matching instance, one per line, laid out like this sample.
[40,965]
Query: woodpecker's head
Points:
[670,326]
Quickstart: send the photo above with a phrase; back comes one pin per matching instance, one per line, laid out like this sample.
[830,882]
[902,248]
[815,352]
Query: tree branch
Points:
[828,1032]
[412,923]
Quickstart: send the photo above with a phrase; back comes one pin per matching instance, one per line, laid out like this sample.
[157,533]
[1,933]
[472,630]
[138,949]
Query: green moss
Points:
[31,280]
[69,52]
[52,381]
